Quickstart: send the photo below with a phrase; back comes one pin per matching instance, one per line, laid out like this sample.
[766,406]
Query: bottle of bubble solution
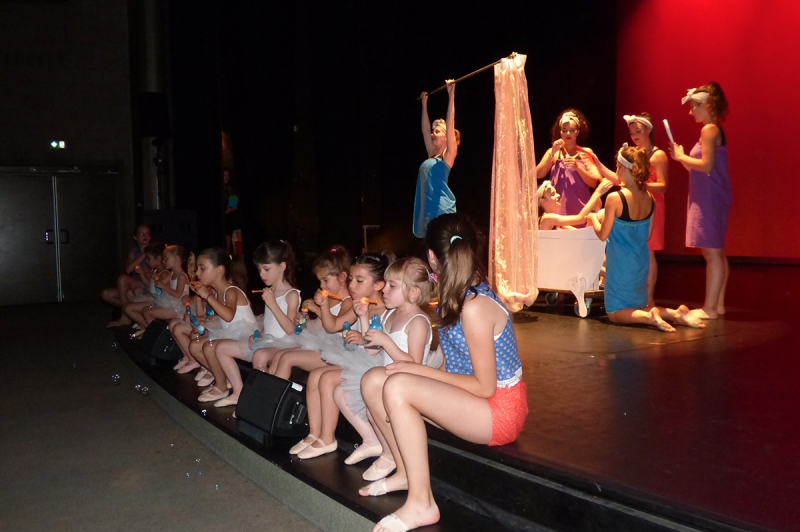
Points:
[201,330]
[256,337]
[346,329]
[374,323]
[209,312]
[302,321]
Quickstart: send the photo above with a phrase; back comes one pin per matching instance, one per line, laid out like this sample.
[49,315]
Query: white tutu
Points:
[354,361]
[267,341]
[167,301]
[144,298]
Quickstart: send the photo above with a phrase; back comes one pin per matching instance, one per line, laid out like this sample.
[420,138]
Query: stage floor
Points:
[706,419]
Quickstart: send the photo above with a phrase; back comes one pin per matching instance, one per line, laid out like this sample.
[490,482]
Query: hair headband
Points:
[622,160]
[542,188]
[439,122]
[695,96]
[630,119]
[569,115]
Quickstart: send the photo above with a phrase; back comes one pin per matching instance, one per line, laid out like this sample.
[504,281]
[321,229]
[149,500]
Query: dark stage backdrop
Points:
[319,100]
[751,48]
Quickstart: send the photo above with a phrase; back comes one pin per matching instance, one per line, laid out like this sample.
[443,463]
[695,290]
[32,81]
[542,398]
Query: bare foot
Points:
[685,317]
[124,320]
[384,486]
[704,314]
[411,515]
[720,310]
[658,321]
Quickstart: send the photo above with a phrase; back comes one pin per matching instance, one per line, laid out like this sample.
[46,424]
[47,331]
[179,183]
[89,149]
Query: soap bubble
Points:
[171,445]
[216,487]
[74,365]
[203,412]
[138,388]
[200,473]
[197,460]
[145,390]
[115,378]
[187,475]
[114,345]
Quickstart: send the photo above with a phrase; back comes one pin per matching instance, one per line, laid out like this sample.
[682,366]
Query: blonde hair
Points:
[412,272]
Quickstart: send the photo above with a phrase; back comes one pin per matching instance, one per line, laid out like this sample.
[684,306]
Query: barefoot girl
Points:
[275,262]
[433,196]
[710,193]
[480,397]
[627,225]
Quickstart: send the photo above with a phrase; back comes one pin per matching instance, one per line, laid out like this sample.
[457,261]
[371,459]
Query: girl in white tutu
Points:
[333,306]
[143,296]
[226,276]
[169,304]
[275,262]
[366,283]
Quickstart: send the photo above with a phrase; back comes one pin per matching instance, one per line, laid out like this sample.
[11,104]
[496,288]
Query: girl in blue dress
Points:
[627,225]
[433,196]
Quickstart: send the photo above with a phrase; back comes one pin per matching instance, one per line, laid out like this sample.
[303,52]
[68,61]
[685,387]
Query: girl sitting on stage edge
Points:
[479,397]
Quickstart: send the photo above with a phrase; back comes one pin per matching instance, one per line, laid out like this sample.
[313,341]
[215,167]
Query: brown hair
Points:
[583,127]
[333,261]
[154,249]
[458,247]
[641,164]
[412,272]
[233,265]
[716,103]
[275,252]
[188,263]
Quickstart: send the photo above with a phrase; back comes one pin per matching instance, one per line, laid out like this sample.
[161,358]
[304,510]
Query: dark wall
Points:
[64,75]
[361,66]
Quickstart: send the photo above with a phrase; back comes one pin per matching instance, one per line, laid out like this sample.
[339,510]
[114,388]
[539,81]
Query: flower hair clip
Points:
[432,277]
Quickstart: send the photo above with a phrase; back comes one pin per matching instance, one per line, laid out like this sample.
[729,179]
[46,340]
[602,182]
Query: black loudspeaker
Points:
[269,405]
[158,342]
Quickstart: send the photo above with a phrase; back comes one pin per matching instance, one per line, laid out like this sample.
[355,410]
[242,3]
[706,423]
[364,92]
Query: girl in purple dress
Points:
[709,192]
[572,168]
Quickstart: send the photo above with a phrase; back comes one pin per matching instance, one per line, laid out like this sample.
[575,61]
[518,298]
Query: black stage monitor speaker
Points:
[269,405]
[157,342]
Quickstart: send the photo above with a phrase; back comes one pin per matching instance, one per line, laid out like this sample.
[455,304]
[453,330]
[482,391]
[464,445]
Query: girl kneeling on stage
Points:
[479,396]
[627,224]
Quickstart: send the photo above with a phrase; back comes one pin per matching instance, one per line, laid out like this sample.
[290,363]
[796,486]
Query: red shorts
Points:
[509,410]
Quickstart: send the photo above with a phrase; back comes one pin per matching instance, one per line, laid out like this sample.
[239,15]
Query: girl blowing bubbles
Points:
[627,226]
[174,287]
[225,276]
[479,397]
[710,192]
[275,262]
[323,413]
[407,337]
[331,269]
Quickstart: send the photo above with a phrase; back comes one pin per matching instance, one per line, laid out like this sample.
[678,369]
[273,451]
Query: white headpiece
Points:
[439,122]
[629,119]
[622,160]
[695,96]
[569,115]
[542,188]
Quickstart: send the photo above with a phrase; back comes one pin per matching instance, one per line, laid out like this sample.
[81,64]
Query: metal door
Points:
[87,229]
[27,240]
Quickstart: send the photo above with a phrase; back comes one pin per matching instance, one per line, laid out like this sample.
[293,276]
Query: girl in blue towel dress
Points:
[627,225]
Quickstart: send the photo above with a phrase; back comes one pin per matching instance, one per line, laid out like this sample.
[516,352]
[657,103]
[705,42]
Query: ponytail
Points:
[457,246]
[233,265]
[191,267]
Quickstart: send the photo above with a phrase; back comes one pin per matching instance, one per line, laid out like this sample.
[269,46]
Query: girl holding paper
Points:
[710,193]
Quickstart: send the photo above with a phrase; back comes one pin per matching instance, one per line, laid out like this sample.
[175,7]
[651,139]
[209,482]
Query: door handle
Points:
[49,237]
[64,236]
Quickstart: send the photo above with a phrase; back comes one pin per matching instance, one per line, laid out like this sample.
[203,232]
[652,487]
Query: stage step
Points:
[477,487]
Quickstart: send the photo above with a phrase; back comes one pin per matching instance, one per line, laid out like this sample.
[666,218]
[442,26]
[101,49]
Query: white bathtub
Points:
[570,261]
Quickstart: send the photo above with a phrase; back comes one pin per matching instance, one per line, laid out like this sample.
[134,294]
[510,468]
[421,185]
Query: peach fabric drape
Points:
[513,234]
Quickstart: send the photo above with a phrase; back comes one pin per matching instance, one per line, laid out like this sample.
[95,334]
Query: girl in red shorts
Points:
[478,394]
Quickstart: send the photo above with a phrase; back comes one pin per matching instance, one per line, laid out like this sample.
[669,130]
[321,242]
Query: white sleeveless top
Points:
[244,313]
[400,337]
[271,325]
[173,284]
